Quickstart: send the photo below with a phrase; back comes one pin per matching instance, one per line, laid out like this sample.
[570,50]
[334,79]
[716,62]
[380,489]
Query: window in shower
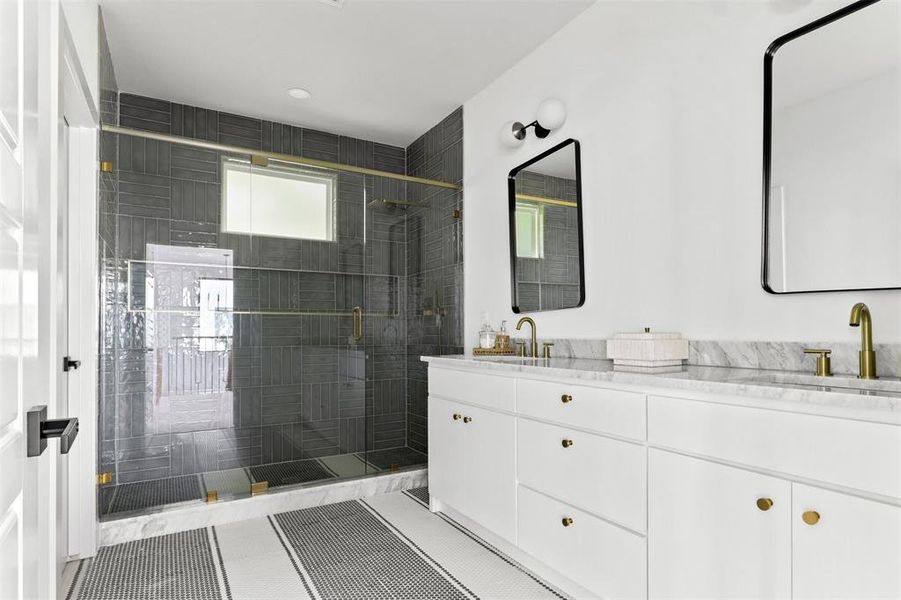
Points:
[529,230]
[278,200]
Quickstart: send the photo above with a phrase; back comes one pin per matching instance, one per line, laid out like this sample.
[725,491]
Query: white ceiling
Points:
[379,70]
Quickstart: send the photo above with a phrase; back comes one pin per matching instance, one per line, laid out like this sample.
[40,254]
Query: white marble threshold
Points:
[194,516]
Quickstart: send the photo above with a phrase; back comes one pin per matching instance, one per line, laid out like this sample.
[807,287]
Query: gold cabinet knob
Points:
[457,417]
[764,504]
[811,517]
[467,419]
[567,521]
[566,398]
[567,443]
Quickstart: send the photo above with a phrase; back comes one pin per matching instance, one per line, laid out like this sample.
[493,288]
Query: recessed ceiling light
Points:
[299,93]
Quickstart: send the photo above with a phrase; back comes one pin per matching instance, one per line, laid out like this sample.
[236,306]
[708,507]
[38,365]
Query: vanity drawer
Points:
[856,454]
[601,557]
[482,390]
[602,410]
[598,474]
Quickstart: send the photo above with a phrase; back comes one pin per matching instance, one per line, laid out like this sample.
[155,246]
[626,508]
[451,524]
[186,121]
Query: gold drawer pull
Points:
[457,416]
[567,521]
[811,517]
[467,419]
[567,443]
[764,504]
[566,398]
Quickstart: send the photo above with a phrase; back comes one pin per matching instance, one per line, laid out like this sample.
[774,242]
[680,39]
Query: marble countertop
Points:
[876,400]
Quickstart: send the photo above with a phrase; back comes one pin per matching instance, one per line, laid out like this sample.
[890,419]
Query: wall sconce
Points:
[551,115]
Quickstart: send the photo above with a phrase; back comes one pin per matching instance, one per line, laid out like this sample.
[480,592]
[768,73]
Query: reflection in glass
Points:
[546,230]
[834,181]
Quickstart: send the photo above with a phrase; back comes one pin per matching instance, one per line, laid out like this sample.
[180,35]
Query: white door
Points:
[22,538]
[844,546]
[446,475]
[489,454]
[715,531]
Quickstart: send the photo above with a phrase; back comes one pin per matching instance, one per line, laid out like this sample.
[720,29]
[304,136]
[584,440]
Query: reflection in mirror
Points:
[546,231]
[833,158]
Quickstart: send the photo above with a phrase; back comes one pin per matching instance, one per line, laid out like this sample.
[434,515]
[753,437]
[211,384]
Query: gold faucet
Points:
[534,346]
[860,317]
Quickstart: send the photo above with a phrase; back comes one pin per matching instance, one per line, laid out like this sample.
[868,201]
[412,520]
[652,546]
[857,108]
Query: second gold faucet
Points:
[860,317]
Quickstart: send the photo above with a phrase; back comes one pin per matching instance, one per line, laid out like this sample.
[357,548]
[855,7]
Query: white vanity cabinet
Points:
[852,550]
[716,531]
[472,459]
[634,491]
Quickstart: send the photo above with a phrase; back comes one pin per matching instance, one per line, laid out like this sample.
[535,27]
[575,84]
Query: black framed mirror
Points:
[546,252]
[832,153]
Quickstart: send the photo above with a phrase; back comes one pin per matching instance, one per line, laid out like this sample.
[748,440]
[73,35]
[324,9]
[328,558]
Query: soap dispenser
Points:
[486,334]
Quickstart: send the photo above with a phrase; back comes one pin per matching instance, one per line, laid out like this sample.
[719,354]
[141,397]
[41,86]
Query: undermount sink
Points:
[842,383]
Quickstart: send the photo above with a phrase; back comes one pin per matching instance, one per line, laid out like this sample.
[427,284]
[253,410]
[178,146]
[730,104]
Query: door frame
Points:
[78,109]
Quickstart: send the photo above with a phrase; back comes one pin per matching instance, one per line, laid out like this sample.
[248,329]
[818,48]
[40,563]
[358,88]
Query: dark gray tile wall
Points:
[288,386]
[551,282]
[434,264]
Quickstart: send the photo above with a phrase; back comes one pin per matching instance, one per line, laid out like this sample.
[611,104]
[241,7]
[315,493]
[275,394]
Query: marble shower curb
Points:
[185,518]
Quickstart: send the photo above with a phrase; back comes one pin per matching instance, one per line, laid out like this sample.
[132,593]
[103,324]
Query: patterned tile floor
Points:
[142,495]
[386,547]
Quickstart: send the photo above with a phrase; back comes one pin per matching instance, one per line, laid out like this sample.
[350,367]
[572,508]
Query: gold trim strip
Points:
[258,154]
[543,200]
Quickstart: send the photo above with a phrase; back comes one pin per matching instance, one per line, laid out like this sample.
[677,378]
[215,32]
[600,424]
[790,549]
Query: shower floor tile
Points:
[387,546]
[127,497]
[401,457]
[291,473]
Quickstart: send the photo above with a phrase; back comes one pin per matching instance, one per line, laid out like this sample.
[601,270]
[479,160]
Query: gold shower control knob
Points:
[457,417]
[811,517]
[467,419]
[566,398]
[567,443]
[567,521]
[764,504]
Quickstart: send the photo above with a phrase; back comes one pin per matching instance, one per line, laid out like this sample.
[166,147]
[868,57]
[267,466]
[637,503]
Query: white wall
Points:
[82,18]
[666,98]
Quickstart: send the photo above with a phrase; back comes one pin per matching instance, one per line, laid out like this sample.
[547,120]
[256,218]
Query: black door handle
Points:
[40,428]
[70,364]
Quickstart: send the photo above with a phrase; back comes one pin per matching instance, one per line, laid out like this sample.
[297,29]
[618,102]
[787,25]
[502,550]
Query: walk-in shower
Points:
[266,292]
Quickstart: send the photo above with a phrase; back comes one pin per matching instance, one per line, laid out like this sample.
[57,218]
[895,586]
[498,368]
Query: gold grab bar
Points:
[358,323]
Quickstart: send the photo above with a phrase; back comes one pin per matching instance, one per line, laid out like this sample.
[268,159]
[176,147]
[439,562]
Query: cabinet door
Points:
[707,535]
[852,550]
[489,455]
[446,463]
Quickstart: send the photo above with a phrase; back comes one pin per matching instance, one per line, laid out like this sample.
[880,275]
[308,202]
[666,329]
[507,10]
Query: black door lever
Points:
[69,364]
[40,428]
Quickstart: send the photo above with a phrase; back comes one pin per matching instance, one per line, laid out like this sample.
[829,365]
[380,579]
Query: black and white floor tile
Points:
[385,547]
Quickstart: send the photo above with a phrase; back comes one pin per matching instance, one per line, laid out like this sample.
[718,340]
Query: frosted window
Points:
[529,230]
[278,201]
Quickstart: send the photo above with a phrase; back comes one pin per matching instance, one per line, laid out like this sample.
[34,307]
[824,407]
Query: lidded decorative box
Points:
[647,352]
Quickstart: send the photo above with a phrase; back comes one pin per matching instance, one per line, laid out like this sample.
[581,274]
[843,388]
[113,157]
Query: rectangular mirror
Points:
[832,153]
[546,256]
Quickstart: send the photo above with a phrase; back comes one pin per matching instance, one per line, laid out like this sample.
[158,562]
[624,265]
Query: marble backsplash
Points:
[780,356]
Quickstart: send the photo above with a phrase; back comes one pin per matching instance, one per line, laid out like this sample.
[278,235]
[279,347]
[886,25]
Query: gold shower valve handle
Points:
[566,398]
[567,521]
[567,443]
[467,419]
[764,504]
[457,416]
[811,517]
